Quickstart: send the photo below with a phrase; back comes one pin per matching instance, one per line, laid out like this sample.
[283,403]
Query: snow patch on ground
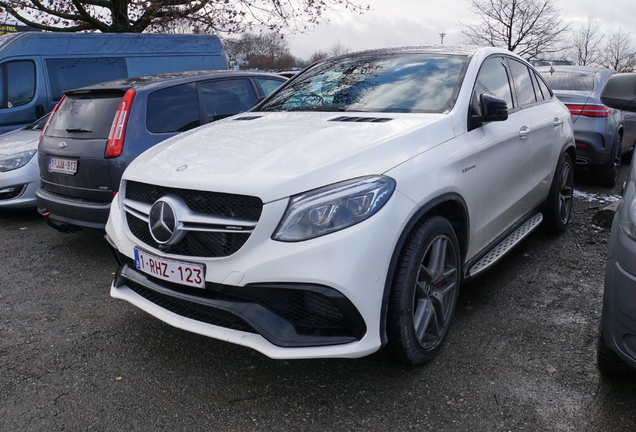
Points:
[595,197]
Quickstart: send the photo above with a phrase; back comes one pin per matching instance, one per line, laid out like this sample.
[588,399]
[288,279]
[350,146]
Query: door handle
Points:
[557,122]
[524,132]
[39,111]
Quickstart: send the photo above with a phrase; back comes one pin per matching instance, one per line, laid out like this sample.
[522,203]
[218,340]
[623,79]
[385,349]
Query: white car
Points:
[342,214]
[19,170]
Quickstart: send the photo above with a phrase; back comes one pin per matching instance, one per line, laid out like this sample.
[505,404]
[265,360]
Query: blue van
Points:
[36,68]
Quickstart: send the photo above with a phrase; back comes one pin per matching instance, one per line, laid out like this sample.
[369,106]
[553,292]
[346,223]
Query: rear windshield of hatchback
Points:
[569,81]
[85,116]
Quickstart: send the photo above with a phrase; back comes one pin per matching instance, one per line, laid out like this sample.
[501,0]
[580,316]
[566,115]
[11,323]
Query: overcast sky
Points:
[419,22]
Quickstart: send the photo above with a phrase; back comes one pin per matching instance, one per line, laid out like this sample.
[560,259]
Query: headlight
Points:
[334,207]
[627,209]
[15,161]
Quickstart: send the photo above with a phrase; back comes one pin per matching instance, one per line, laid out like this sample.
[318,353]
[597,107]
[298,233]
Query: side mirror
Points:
[620,92]
[493,109]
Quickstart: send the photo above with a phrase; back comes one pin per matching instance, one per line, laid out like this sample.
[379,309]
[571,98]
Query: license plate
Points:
[64,166]
[180,272]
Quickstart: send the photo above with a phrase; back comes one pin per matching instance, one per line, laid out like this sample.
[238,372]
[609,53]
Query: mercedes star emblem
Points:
[164,220]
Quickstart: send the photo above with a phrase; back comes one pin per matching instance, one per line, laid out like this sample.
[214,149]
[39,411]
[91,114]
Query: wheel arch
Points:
[452,207]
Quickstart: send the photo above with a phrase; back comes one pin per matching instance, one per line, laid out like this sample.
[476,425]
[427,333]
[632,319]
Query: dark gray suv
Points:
[96,131]
[598,129]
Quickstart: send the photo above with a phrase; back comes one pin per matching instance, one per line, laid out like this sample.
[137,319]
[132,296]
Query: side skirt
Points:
[504,246]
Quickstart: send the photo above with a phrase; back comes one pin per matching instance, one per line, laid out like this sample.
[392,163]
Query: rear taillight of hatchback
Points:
[115,143]
[589,110]
[48,120]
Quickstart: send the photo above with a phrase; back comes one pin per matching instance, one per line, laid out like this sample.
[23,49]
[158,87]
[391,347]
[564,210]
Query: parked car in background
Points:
[19,172]
[96,131]
[342,213]
[598,129]
[616,353]
[37,67]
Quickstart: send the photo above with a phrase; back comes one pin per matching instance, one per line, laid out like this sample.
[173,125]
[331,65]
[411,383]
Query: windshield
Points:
[379,83]
[38,124]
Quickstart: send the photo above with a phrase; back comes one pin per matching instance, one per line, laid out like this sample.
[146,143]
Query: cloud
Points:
[419,22]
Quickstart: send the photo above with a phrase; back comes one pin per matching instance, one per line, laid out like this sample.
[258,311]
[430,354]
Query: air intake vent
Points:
[247,118]
[362,119]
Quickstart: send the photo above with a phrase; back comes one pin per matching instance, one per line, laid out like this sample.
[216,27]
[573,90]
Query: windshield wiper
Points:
[78,130]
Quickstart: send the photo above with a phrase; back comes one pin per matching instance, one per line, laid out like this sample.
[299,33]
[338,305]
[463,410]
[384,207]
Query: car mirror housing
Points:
[493,109]
[620,92]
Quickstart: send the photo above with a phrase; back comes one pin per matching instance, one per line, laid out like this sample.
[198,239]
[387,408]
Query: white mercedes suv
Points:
[342,214]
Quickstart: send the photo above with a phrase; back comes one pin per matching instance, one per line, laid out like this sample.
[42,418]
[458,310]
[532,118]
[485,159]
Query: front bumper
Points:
[17,187]
[317,298]
[618,321]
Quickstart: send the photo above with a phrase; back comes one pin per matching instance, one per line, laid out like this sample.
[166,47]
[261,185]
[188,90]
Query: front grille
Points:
[210,203]
[196,243]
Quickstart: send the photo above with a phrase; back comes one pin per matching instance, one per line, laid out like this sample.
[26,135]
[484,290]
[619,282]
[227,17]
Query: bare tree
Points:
[619,52]
[218,16]
[264,51]
[335,50]
[586,48]
[526,27]
[318,55]
[338,48]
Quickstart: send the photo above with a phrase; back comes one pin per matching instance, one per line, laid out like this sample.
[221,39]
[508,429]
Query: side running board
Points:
[501,248]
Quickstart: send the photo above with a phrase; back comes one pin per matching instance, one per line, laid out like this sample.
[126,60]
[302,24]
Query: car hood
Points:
[275,155]
[18,141]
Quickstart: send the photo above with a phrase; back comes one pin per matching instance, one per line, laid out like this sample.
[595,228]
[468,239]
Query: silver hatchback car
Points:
[19,172]
[598,129]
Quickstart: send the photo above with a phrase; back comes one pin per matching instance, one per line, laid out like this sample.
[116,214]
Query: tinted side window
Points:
[19,77]
[492,79]
[540,87]
[538,91]
[523,82]
[223,98]
[72,73]
[269,85]
[173,109]
[547,94]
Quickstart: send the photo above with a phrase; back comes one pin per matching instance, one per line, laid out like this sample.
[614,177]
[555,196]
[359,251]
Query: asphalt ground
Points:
[520,355]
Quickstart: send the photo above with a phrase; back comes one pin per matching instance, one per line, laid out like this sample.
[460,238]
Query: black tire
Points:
[558,209]
[424,292]
[606,175]
[610,364]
